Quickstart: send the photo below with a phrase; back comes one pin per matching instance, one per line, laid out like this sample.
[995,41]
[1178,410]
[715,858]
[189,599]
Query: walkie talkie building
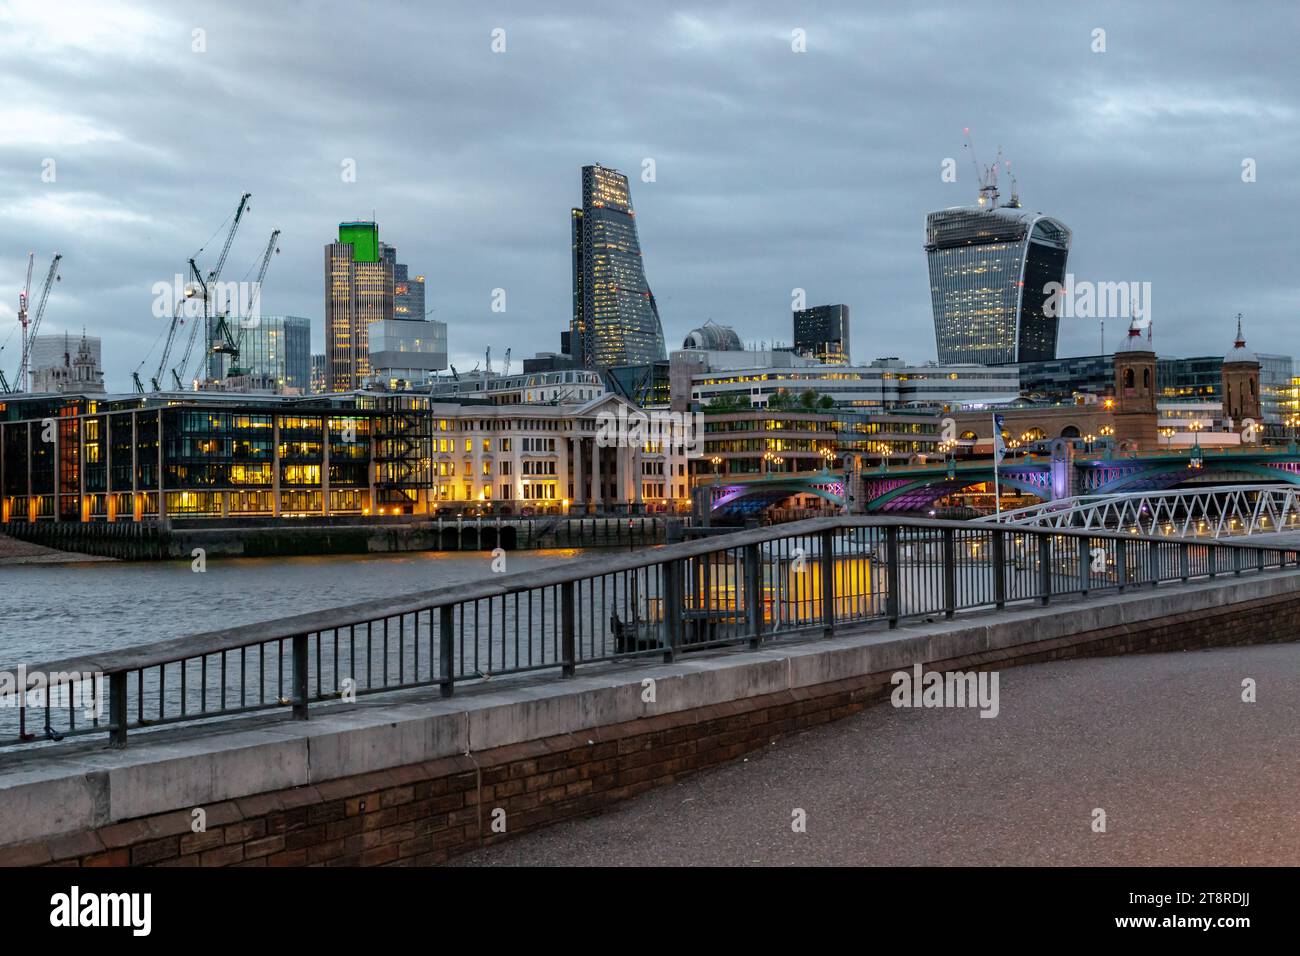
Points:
[615,319]
[990,266]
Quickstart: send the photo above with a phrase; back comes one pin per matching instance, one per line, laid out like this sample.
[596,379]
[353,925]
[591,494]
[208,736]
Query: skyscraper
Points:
[358,291]
[823,332]
[990,266]
[615,319]
[408,293]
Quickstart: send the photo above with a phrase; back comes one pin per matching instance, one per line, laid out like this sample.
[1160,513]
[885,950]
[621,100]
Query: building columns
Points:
[579,492]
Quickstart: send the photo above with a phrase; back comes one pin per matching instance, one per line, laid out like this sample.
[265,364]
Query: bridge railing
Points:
[749,587]
[1197,511]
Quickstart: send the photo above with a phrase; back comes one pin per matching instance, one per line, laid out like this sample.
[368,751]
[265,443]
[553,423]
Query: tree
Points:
[728,402]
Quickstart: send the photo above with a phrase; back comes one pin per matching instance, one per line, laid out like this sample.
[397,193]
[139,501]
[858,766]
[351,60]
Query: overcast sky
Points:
[774,169]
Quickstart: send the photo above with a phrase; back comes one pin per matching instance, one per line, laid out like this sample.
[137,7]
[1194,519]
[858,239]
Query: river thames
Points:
[55,611]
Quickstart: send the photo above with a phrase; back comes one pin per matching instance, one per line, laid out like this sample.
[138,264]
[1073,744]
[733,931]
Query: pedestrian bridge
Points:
[1185,512]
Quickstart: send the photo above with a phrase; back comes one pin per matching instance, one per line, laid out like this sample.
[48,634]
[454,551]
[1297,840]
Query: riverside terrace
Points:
[95,458]
[802,579]
[631,688]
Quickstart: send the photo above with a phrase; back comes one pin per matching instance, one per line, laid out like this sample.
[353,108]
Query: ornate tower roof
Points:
[1239,352]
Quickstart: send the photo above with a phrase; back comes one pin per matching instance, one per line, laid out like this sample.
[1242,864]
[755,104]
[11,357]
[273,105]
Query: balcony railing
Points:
[809,578]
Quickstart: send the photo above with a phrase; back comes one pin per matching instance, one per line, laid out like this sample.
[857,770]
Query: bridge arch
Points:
[774,491]
[931,488]
[1180,472]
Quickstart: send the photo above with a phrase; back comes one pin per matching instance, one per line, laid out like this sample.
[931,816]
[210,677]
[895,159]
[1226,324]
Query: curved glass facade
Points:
[615,319]
[989,269]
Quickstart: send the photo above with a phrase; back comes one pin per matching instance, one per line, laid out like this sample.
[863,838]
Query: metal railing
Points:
[1221,511]
[749,587]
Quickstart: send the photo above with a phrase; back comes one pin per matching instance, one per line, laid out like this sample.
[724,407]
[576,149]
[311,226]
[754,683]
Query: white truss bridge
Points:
[1218,512]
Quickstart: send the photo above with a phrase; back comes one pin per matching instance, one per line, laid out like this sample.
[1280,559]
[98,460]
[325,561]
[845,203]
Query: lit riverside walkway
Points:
[1187,773]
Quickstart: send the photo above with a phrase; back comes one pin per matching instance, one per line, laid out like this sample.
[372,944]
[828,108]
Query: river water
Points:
[49,612]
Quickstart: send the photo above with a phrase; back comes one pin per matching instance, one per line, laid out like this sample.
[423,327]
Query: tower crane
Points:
[205,288]
[23,296]
[31,328]
[506,369]
[156,380]
[224,341]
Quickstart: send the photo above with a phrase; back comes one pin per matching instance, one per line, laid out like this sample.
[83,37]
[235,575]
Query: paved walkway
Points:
[1187,773]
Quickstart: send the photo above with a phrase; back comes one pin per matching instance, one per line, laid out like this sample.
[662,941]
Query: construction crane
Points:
[177,320]
[505,370]
[224,341]
[988,177]
[30,329]
[205,288]
[22,318]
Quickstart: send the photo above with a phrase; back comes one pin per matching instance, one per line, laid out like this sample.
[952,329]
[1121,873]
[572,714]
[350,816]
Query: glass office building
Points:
[408,293]
[615,319]
[822,332]
[276,354]
[404,352]
[989,269]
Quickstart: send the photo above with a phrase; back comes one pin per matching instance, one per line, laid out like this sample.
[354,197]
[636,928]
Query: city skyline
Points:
[1135,148]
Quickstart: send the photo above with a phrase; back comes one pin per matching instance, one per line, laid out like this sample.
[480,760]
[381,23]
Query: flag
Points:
[999,447]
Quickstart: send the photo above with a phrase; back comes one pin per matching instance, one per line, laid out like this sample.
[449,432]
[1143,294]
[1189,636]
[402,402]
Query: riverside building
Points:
[230,455]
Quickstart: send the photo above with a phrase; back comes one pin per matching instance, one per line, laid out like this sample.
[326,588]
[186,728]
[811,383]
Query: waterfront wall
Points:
[177,539]
[419,781]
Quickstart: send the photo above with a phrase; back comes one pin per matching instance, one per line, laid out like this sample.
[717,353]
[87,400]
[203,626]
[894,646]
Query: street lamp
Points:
[1197,458]
[1167,434]
[1291,422]
[717,464]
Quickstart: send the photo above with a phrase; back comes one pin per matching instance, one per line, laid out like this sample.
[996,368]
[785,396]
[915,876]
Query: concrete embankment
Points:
[13,551]
[416,779]
[175,539]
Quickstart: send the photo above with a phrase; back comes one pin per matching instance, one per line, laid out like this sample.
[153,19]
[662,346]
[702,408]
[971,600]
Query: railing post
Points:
[672,575]
[1236,561]
[568,653]
[999,568]
[827,561]
[1121,563]
[1184,562]
[892,602]
[117,709]
[949,572]
[1045,568]
[1085,565]
[754,593]
[446,645]
[1210,549]
[300,689]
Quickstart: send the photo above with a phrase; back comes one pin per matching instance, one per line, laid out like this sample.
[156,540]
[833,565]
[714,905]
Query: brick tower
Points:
[1135,393]
[1241,384]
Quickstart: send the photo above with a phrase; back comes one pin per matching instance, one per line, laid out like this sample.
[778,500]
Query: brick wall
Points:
[429,812]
